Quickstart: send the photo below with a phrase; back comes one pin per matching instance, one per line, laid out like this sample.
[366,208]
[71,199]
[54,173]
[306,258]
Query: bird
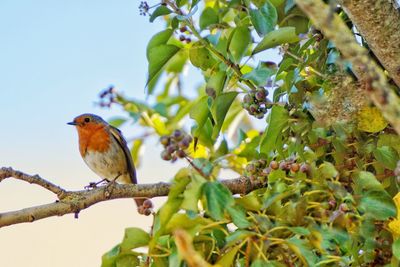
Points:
[105,150]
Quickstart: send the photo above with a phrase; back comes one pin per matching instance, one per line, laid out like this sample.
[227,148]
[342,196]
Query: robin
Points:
[104,150]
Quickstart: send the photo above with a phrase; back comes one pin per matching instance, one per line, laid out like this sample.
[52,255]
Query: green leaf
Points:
[277,120]
[159,38]
[177,62]
[109,258]
[238,235]
[238,216]
[366,181]
[216,82]
[135,149]
[203,165]
[201,57]
[300,230]
[192,193]
[208,17]
[239,43]
[219,109]
[327,170]
[387,156]
[396,248]
[127,261]
[378,204]
[264,19]
[218,197]
[134,238]
[171,206]
[251,201]
[228,258]
[392,140]
[160,11]
[200,112]
[263,263]
[158,58]
[117,122]
[280,36]
[183,221]
[302,250]
[259,75]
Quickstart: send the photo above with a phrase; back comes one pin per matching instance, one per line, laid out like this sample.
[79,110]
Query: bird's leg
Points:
[92,185]
[110,186]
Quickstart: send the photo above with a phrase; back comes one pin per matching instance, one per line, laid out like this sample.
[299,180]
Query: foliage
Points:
[329,182]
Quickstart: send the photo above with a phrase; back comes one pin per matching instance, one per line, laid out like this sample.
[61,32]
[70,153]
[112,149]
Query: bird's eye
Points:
[87,119]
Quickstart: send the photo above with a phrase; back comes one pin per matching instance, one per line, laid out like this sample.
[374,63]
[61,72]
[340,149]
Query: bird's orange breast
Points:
[93,138]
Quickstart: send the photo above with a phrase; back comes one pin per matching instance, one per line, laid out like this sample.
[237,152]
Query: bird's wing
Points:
[117,135]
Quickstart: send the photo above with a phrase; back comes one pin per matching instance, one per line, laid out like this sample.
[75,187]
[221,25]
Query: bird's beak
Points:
[71,123]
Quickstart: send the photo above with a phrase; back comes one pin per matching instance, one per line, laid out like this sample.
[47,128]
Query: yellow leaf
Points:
[200,152]
[370,120]
[158,124]
[394,225]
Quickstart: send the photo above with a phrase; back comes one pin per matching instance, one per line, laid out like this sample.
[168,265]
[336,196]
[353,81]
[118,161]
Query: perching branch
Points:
[367,70]
[75,201]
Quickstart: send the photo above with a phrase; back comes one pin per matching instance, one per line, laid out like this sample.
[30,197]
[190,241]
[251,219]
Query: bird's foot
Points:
[110,186]
[93,185]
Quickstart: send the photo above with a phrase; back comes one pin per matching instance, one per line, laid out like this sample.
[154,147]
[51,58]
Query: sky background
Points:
[55,57]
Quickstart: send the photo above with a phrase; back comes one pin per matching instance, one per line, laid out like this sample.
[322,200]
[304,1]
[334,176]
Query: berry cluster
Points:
[257,103]
[259,169]
[107,97]
[183,37]
[146,208]
[175,145]
[144,8]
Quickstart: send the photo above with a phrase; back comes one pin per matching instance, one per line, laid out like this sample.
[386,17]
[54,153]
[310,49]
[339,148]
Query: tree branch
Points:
[367,70]
[378,22]
[75,201]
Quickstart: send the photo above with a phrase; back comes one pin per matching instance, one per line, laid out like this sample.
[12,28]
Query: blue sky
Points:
[55,57]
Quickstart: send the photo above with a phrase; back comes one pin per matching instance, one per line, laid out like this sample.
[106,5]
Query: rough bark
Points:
[367,70]
[379,23]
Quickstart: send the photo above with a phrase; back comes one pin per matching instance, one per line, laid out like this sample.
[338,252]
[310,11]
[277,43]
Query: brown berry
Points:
[274,165]
[305,168]
[180,153]
[148,204]
[165,155]
[294,167]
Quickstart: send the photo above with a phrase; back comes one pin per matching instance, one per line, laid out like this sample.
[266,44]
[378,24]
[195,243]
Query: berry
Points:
[247,99]
[260,94]
[178,135]
[183,29]
[180,153]
[294,167]
[274,165]
[284,166]
[305,168]
[148,204]
[171,149]
[165,155]
[182,38]
[265,172]
[147,212]
[164,140]
[253,108]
